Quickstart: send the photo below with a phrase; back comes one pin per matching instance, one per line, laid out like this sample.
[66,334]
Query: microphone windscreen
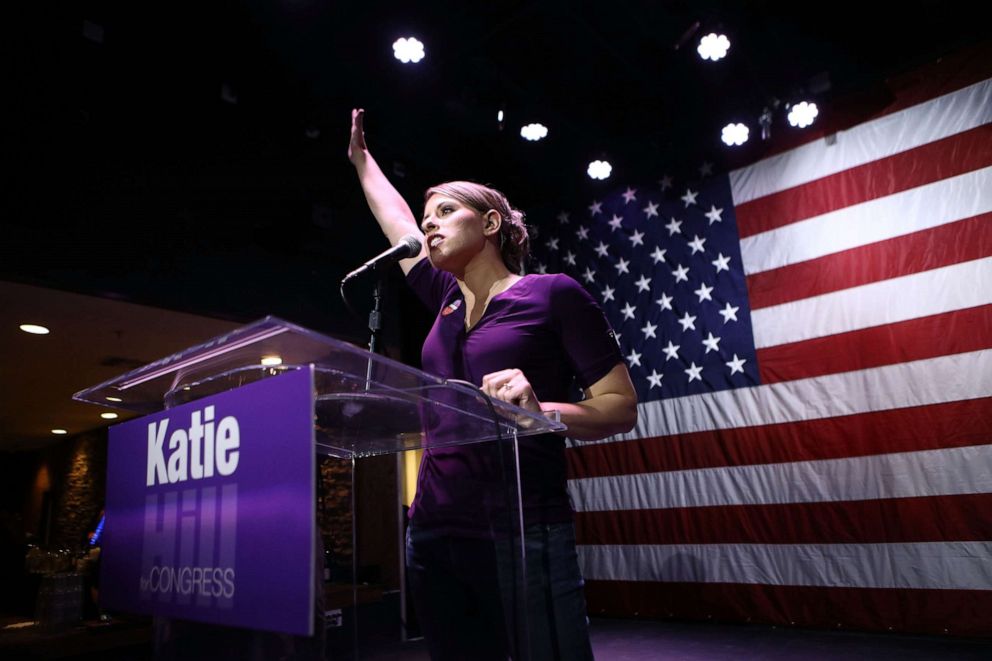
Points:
[412,242]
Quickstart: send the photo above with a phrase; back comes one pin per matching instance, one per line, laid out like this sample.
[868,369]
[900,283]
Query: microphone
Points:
[408,246]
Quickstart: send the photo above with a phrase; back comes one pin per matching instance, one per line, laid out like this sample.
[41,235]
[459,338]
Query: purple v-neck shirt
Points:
[551,329]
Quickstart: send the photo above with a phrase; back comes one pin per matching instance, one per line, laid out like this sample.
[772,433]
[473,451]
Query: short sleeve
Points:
[431,286]
[586,335]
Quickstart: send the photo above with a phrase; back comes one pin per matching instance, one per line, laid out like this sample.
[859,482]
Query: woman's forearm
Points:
[389,208]
[598,417]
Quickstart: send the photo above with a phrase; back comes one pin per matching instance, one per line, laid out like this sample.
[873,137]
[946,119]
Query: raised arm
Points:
[387,205]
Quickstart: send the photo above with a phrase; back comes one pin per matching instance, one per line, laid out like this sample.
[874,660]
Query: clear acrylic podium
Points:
[365,405]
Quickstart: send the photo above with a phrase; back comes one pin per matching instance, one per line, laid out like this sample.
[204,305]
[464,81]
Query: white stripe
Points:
[902,213]
[922,565]
[944,472]
[944,289]
[917,383]
[927,122]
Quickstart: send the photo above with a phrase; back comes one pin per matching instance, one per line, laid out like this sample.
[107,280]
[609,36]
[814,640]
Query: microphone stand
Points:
[375,326]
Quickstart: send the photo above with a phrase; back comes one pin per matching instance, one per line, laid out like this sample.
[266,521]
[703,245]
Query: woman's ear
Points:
[493,222]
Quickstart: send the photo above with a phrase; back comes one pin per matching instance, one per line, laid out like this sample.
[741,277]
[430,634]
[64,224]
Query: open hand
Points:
[357,146]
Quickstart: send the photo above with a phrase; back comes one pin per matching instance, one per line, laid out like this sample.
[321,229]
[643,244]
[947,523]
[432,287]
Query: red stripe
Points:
[949,333]
[948,244]
[926,164]
[924,519]
[950,425]
[954,612]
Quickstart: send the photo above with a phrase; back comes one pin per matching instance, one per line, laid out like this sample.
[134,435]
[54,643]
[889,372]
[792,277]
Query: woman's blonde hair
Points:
[514,243]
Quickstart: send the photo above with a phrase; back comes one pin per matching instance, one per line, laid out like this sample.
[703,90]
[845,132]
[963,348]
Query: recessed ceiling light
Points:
[59,431]
[34,329]
[271,360]
[108,416]
[408,50]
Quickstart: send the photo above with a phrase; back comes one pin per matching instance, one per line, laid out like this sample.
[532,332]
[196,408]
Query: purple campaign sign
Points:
[210,509]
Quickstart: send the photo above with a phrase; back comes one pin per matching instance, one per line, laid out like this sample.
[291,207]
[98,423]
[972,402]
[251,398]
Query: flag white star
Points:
[674,227]
[552,244]
[583,232]
[703,292]
[665,302]
[608,294]
[622,265]
[721,263]
[615,222]
[736,365]
[643,284]
[634,358]
[649,330]
[706,169]
[729,312]
[711,343]
[694,372]
[636,239]
[658,255]
[570,257]
[655,379]
[689,197]
[589,276]
[681,274]
[629,195]
[688,321]
[650,210]
[696,244]
[595,208]
[601,249]
[714,214]
[665,182]
[628,311]
[541,267]
[563,218]
[671,351]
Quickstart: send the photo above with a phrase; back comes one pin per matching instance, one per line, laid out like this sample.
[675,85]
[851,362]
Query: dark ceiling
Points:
[192,155]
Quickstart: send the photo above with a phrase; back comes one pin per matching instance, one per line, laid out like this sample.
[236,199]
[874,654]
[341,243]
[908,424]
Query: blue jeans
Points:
[465,594]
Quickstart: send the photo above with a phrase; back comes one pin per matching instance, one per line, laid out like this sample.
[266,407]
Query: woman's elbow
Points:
[628,415]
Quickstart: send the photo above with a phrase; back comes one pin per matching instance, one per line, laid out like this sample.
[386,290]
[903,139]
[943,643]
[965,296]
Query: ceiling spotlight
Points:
[110,398]
[34,329]
[408,50]
[534,132]
[108,416]
[803,114]
[59,432]
[713,47]
[734,134]
[499,116]
[269,361]
[599,170]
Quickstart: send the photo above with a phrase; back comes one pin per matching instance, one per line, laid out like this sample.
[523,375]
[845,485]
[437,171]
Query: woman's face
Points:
[454,232]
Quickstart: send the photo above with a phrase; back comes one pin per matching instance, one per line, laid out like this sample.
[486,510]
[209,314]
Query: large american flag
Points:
[810,340]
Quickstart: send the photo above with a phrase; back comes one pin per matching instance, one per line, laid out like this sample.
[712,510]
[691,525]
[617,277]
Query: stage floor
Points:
[613,640]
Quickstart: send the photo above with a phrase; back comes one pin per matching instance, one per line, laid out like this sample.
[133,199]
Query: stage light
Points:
[113,399]
[713,47]
[408,50]
[803,114]
[34,329]
[269,361]
[734,134]
[599,170]
[108,416]
[534,132]
[499,117]
[59,432]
